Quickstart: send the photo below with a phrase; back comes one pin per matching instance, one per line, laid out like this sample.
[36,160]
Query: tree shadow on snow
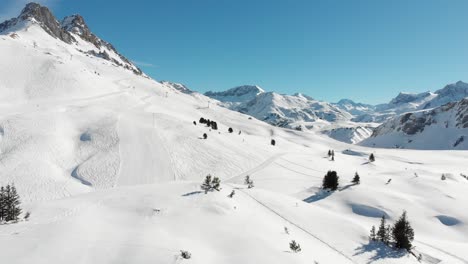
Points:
[192,193]
[321,194]
[381,251]
[346,187]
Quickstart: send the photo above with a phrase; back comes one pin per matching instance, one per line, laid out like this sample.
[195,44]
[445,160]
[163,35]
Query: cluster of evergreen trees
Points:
[209,123]
[10,209]
[211,184]
[400,235]
[331,180]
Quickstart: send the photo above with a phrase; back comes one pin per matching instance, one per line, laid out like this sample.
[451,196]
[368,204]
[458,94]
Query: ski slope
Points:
[110,163]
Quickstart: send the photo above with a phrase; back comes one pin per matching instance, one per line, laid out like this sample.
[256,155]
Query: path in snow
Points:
[296,225]
[259,167]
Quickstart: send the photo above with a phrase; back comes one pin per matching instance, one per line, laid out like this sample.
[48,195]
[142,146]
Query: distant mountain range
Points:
[345,120]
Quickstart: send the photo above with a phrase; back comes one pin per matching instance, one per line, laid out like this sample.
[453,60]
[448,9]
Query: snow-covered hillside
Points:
[109,163]
[444,127]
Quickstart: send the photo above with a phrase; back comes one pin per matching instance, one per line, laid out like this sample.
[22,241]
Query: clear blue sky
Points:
[366,50]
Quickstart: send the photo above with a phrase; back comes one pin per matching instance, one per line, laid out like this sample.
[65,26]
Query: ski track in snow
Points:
[443,251]
[257,168]
[294,224]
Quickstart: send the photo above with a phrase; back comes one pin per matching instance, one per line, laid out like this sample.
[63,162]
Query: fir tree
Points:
[206,185]
[14,206]
[205,136]
[232,194]
[371,157]
[230,130]
[383,231]
[330,181]
[202,120]
[249,182]
[372,236]
[3,203]
[216,184]
[211,184]
[403,233]
[329,153]
[273,142]
[185,254]
[356,179]
[294,246]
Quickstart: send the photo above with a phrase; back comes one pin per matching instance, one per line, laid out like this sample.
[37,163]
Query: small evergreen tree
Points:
[330,181]
[356,179]
[211,184]
[371,157]
[202,120]
[273,142]
[443,177]
[185,254]
[294,246]
[403,233]
[249,182]
[206,185]
[216,184]
[230,130]
[382,232]
[232,194]
[329,153]
[205,136]
[3,203]
[195,123]
[372,236]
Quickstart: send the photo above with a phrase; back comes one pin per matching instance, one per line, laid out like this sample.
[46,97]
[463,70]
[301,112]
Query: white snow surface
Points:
[109,164]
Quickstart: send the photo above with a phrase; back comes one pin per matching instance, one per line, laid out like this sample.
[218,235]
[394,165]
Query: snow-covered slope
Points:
[444,127]
[352,135]
[109,163]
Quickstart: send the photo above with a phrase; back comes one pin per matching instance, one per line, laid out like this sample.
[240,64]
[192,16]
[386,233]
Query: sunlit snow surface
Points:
[109,165]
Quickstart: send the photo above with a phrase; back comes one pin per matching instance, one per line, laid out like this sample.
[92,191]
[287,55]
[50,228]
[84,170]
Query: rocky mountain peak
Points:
[36,13]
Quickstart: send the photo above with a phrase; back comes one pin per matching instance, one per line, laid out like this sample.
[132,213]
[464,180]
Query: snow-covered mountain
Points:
[71,30]
[292,111]
[109,163]
[356,109]
[444,127]
[237,95]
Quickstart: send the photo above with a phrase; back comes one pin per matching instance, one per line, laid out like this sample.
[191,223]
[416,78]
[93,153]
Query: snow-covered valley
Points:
[109,162]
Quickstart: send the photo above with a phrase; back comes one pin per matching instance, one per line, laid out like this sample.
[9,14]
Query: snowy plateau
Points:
[109,163]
